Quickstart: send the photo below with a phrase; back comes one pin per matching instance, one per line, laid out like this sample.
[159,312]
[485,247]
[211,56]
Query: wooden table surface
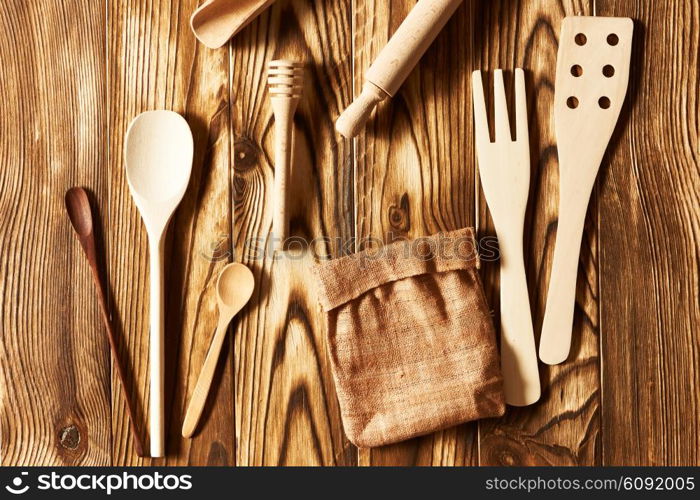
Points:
[74,73]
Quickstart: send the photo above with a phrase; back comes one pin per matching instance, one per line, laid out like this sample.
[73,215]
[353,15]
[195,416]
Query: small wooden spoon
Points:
[80,214]
[233,290]
[216,21]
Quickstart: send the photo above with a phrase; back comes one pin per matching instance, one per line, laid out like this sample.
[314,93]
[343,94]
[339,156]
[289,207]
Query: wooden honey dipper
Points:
[285,80]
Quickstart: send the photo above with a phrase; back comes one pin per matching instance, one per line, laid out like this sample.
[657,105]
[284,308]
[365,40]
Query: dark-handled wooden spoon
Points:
[80,214]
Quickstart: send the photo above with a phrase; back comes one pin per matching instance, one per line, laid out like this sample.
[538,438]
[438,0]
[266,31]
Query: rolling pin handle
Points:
[350,123]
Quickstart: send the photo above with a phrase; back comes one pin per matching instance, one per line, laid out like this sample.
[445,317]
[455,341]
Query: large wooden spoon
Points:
[233,290]
[158,151]
[80,214]
[218,20]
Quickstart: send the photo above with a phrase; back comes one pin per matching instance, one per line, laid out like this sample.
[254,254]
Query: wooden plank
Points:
[649,240]
[414,174]
[563,428]
[53,348]
[155,63]
[286,408]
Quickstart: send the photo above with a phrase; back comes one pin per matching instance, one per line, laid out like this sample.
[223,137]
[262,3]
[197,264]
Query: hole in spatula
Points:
[604,102]
[572,102]
[576,70]
[613,39]
[608,71]
[581,39]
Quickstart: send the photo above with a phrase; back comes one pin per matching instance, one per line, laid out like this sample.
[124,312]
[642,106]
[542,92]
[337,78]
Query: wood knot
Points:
[508,451]
[246,154]
[69,437]
[506,459]
[399,219]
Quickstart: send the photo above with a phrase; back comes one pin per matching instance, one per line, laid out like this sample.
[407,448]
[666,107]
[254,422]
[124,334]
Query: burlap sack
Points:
[411,341]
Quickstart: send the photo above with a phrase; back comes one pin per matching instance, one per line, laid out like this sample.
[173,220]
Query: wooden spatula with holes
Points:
[592,77]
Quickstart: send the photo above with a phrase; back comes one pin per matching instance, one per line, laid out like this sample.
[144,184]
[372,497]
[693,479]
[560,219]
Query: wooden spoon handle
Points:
[521,377]
[555,341]
[157,349]
[118,361]
[201,389]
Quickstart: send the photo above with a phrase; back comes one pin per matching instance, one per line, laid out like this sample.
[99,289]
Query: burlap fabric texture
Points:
[411,340]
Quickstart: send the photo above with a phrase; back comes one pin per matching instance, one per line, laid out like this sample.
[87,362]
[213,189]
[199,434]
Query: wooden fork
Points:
[504,168]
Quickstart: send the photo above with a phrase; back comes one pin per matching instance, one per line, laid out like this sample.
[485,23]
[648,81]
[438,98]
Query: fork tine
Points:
[521,125]
[501,124]
[481,123]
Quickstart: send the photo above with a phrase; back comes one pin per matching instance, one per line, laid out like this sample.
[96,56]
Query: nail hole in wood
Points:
[604,102]
[581,39]
[613,39]
[608,71]
[572,102]
[69,437]
[576,70]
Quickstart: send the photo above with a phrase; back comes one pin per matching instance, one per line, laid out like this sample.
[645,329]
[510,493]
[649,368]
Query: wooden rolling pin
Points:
[396,61]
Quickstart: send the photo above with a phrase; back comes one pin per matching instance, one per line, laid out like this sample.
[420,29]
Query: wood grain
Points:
[75,77]
[563,428]
[412,177]
[53,348]
[286,408]
[649,240]
[155,63]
